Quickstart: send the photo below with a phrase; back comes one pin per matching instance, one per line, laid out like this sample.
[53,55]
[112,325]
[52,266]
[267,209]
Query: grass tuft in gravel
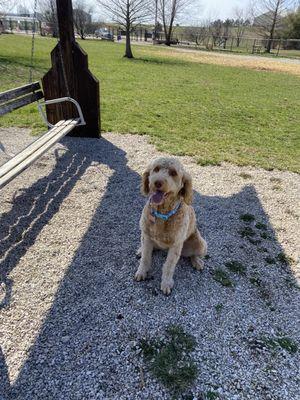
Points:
[222,277]
[247,232]
[270,260]
[284,343]
[211,395]
[283,258]
[170,360]
[219,307]
[244,175]
[260,225]
[236,267]
[247,217]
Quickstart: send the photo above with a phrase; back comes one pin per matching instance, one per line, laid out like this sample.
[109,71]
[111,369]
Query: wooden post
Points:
[70,76]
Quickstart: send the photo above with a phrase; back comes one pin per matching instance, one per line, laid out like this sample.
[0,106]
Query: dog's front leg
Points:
[173,256]
[146,259]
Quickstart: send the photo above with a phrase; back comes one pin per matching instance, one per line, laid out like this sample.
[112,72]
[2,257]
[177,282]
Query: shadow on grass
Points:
[83,349]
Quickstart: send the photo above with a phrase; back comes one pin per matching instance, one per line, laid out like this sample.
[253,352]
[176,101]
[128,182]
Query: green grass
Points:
[170,361]
[222,277]
[214,113]
[236,267]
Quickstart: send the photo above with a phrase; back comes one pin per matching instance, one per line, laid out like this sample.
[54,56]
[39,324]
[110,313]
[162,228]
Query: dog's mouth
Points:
[158,197]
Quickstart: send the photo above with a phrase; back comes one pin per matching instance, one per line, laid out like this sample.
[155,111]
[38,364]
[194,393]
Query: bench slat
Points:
[19,157]
[19,91]
[64,128]
[20,102]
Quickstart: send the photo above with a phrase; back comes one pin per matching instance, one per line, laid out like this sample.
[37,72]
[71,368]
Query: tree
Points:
[271,12]
[48,11]
[240,24]
[128,14]
[168,12]
[82,17]
[292,28]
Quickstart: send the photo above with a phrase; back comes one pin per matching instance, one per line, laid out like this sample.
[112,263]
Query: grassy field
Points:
[214,113]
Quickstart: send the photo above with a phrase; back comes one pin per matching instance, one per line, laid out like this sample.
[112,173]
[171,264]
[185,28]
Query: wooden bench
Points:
[20,97]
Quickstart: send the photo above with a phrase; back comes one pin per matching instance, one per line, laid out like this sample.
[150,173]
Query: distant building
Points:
[11,22]
[266,19]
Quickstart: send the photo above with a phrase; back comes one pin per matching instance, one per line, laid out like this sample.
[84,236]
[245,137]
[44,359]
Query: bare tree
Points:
[168,12]
[269,14]
[128,14]
[240,24]
[82,17]
[48,10]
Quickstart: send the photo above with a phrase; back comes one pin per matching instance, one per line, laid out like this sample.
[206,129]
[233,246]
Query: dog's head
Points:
[166,177]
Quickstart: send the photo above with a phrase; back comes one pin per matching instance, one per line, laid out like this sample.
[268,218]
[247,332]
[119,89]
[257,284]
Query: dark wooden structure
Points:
[70,76]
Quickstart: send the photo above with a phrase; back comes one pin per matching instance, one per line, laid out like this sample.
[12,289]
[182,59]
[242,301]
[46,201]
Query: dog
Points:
[168,220]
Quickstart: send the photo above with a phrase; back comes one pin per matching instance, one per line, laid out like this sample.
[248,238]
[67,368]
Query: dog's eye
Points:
[156,169]
[172,172]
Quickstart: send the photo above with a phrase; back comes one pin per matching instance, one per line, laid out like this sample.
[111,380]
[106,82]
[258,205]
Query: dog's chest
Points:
[164,233]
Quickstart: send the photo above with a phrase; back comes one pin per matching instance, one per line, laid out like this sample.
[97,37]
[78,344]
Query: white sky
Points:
[201,10]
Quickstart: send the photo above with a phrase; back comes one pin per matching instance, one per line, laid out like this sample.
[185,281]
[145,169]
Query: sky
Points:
[202,10]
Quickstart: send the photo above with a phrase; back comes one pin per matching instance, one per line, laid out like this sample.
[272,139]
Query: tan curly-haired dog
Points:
[168,220]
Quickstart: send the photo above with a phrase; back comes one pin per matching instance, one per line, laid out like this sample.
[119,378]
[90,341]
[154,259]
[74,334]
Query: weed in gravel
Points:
[236,267]
[247,217]
[219,307]
[292,283]
[288,344]
[247,232]
[260,225]
[277,188]
[255,281]
[211,395]
[262,250]
[265,235]
[254,241]
[275,180]
[284,259]
[270,260]
[244,175]
[222,277]
[284,343]
[169,359]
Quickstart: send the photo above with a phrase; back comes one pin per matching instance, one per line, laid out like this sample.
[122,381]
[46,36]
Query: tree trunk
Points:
[128,52]
[168,40]
[272,31]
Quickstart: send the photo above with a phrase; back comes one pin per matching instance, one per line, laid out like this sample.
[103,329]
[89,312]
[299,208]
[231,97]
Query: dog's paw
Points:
[140,276]
[197,263]
[166,286]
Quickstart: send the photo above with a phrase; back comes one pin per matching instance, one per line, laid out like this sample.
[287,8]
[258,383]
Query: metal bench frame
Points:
[20,97]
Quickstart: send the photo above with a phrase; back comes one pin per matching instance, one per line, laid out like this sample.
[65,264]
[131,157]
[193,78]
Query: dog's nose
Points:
[158,184]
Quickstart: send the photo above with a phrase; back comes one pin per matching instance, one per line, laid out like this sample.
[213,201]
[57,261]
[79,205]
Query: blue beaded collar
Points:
[165,217]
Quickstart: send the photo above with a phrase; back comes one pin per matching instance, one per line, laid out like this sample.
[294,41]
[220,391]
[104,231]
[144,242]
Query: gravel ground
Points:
[72,316]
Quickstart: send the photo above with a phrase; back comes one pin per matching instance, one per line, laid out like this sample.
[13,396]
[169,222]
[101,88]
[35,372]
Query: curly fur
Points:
[179,235]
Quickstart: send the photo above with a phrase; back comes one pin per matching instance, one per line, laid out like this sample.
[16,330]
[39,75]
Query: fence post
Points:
[279,44]
[231,44]
[253,47]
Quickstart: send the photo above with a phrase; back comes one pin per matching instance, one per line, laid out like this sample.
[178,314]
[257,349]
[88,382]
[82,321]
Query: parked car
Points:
[104,34]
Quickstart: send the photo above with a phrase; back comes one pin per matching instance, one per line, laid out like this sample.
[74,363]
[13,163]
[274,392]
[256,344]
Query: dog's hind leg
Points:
[196,248]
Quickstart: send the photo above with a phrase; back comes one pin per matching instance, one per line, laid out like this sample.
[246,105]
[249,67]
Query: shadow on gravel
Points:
[85,347]
[32,209]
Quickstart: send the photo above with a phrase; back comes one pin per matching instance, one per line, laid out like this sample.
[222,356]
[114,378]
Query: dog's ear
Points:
[145,183]
[187,189]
